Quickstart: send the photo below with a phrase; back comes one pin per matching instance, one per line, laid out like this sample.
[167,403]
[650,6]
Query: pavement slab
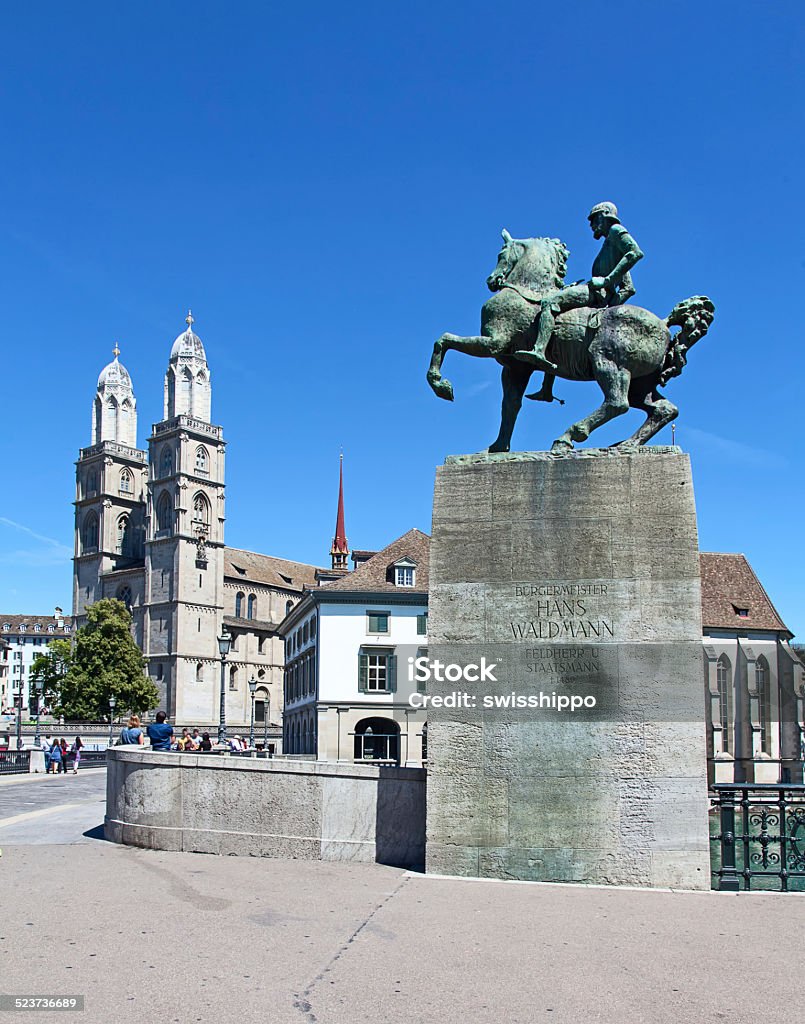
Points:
[181,937]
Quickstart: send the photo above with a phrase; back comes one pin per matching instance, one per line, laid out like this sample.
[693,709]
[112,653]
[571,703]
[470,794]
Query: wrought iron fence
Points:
[90,759]
[758,836]
[14,762]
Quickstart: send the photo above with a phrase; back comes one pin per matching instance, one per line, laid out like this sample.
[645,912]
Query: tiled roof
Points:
[375,574]
[43,621]
[730,584]
[276,572]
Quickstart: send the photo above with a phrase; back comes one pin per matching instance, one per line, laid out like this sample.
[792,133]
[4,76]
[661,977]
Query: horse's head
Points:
[537,263]
[508,256]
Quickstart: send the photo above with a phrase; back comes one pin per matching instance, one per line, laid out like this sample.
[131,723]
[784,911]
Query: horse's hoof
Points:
[559,447]
[496,449]
[444,389]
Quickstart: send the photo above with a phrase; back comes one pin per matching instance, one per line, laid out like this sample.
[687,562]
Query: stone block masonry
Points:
[584,760]
[266,808]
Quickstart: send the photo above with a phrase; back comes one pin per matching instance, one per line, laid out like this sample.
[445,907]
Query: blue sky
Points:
[325,187]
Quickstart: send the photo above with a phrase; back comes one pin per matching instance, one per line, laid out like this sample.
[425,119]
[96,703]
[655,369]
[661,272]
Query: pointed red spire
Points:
[340,549]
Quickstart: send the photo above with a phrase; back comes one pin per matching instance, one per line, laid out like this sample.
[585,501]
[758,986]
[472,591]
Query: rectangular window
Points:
[405,576]
[377,672]
[422,625]
[421,685]
[378,622]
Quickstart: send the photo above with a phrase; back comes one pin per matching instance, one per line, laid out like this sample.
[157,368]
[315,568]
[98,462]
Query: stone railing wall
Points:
[309,810]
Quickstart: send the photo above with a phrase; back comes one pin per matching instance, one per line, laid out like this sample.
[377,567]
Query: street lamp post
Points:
[112,703]
[40,687]
[252,691]
[224,643]
[19,713]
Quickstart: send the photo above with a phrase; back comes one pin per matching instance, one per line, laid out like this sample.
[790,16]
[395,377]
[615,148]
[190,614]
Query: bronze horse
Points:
[629,351]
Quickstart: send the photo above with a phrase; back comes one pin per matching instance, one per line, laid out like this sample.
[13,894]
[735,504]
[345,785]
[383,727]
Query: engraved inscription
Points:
[562,661]
[562,611]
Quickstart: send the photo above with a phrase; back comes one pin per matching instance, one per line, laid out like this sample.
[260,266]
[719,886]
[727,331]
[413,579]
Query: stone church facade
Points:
[149,531]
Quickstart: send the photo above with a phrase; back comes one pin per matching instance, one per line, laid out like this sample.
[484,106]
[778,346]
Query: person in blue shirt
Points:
[160,733]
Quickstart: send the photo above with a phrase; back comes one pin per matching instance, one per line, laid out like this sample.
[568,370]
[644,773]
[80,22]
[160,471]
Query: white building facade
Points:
[753,680]
[348,687]
[27,636]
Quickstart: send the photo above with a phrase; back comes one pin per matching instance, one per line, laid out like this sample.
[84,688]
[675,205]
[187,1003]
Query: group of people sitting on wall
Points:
[163,737]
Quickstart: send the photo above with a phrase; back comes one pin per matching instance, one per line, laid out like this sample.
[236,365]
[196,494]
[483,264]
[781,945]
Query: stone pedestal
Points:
[583,759]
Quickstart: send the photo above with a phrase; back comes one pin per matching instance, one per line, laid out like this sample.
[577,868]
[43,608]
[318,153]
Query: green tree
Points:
[106,663]
[50,669]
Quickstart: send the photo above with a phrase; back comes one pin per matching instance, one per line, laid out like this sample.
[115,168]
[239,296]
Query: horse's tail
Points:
[694,316]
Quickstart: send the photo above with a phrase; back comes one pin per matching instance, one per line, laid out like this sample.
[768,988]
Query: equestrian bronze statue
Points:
[584,331]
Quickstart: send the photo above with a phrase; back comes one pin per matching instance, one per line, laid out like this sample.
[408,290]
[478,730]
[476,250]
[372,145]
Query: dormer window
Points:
[37,628]
[742,613]
[23,627]
[6,627]
[404,573]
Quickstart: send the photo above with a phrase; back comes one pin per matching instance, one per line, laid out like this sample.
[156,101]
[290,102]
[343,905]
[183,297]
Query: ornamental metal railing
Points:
[758,836]
[15,762]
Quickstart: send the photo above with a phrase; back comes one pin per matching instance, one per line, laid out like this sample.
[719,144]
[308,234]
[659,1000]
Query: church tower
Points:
[185,538]
[339,550]
[110,498]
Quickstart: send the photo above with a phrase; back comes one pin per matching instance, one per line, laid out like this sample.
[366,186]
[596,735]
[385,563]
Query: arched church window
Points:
[165,513]
[110,431]
[202,461]
[288,606]
[92,482]
[186,400]
[723,682]
[763,703]
[252,606]
[233,678]
[239,605]
[124,422]
[166,461]
[90,533]
[123,535]
[124,595]
[201,510]
[199,673]
[126,482]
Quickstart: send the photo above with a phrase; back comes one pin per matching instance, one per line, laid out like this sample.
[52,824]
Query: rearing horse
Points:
[629,351]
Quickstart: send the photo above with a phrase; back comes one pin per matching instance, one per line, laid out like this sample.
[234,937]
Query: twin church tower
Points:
[149,531]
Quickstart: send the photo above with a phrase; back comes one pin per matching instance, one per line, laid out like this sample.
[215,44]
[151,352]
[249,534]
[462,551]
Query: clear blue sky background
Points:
[325,185]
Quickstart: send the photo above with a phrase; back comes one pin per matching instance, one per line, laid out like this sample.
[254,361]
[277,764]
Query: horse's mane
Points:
[560,255]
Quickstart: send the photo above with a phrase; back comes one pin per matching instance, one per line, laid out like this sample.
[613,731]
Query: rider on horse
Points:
[610,285]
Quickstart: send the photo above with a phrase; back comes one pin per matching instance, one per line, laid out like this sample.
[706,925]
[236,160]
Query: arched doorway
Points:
[377,739]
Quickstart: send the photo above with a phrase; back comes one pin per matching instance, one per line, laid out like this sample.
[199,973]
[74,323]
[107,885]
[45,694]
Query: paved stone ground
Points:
[175,937]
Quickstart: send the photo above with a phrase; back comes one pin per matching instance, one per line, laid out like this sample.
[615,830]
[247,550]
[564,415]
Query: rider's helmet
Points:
[608,209]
